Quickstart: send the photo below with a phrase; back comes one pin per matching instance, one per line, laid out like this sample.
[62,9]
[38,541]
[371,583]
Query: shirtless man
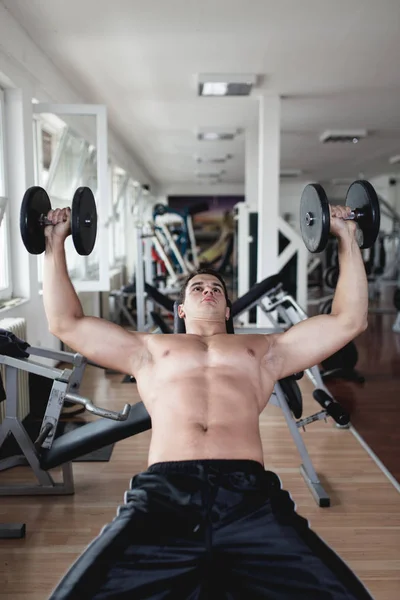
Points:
[206,520]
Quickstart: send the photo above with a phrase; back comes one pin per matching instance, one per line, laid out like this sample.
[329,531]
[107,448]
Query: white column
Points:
[20,176]
[251,166]
[242,212]
[268,189]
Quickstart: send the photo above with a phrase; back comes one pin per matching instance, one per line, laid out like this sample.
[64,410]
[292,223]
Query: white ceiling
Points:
[336,63]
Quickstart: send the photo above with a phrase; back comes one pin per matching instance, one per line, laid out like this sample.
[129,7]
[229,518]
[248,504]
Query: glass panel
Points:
[65,168]
[89,171]
[48,132]
[88,178]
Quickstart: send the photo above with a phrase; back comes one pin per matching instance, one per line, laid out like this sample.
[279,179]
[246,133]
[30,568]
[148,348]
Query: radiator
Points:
[18,327]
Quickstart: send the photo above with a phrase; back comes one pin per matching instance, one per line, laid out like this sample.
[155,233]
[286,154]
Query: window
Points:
[71,151]
[61,156]
[5,258]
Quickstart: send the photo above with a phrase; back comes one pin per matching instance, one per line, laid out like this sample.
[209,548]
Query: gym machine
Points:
[48,451]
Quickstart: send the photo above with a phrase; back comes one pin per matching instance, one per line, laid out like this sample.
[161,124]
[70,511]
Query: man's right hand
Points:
[61,228]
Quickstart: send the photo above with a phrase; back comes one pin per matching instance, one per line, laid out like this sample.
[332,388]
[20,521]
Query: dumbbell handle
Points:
[355,215]
[43,220]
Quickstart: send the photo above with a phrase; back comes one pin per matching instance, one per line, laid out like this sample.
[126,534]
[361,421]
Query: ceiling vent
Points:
[290,173]
[225,84]
[209,175]
[343,136]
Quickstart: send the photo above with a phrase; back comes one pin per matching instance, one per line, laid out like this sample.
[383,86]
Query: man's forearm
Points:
[351,295]
[60,300]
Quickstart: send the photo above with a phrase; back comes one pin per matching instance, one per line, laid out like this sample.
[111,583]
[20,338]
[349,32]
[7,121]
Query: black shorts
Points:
[208,529]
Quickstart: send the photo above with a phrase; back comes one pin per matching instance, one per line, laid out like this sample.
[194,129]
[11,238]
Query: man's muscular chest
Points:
[186,351]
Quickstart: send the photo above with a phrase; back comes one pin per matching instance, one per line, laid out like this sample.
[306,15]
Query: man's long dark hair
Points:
[201,272]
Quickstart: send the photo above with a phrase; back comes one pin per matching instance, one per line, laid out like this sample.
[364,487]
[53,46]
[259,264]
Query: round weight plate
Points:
[314,203]
[84,221]
[34,204]
[362,195]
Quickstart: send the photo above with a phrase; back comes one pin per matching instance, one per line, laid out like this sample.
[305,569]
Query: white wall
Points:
[26,73]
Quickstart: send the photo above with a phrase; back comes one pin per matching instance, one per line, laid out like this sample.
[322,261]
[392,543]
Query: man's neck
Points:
[205,327]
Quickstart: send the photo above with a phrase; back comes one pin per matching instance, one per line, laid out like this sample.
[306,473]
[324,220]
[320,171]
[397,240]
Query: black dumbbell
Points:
[315,216]
[33,219]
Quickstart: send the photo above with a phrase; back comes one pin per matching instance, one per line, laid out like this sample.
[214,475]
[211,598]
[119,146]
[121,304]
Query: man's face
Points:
[204,299]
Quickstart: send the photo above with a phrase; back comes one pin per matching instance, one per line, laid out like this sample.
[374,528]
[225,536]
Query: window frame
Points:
[6,292]
[102,196]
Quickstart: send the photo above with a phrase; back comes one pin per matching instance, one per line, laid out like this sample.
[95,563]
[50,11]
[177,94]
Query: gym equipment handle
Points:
[100,412]
[332,407]
[43,435]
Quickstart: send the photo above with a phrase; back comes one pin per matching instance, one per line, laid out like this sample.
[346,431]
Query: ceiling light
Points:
[210,136]
[394,159]
[214,88]
[225,84]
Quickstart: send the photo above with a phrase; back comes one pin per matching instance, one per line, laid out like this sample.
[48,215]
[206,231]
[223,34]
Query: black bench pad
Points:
[255,293]
[95,435]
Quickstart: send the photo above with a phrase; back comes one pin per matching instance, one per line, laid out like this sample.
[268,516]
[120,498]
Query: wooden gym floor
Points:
[362,525]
